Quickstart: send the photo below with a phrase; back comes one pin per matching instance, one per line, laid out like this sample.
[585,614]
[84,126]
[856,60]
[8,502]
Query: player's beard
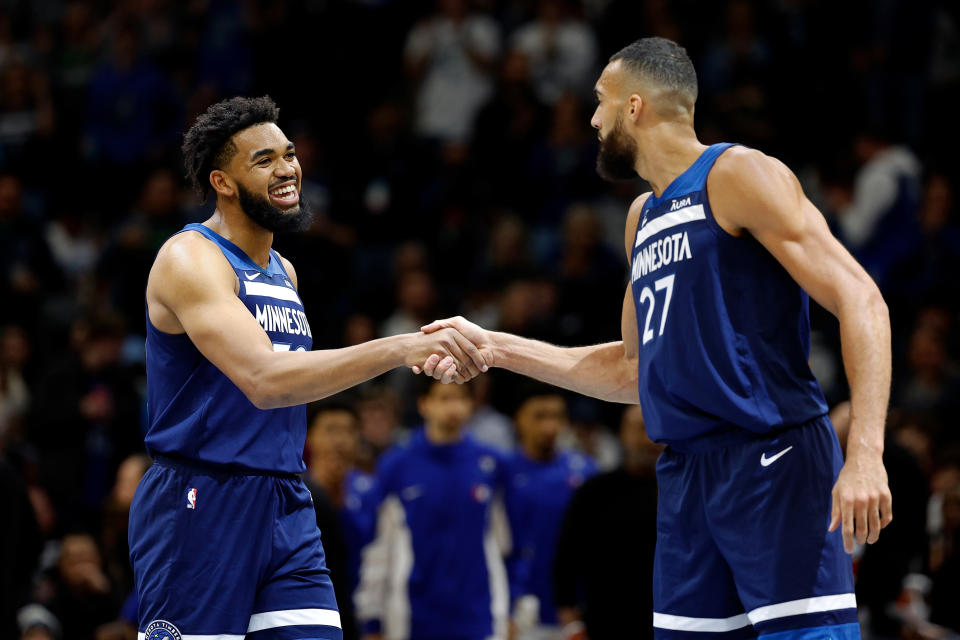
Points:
[259,209]
[617,154]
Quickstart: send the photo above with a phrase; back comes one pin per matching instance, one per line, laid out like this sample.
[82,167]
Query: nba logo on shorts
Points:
[161,630]
[192,498]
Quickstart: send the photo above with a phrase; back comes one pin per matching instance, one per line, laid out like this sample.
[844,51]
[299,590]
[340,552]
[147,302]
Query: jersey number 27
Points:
[664,283]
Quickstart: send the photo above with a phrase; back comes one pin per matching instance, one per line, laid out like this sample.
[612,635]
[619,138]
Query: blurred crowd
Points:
[447,153]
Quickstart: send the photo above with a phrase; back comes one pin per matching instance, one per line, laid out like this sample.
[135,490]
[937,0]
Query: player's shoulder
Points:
[633,219]
[190,258]
[741,166]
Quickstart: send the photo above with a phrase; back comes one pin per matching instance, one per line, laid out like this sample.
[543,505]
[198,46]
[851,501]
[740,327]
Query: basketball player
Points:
[715,325]
[223,537]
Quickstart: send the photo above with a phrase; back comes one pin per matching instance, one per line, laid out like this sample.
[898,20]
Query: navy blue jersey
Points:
[196,413]
[724,330]
[435,570]
[536,498]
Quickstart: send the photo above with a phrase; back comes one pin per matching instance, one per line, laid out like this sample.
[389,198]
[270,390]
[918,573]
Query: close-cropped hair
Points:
[663,63]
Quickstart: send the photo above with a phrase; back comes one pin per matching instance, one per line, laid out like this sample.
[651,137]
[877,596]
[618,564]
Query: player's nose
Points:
[595,120]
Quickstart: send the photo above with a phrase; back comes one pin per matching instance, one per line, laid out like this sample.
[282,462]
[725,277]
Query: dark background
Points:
[445,181]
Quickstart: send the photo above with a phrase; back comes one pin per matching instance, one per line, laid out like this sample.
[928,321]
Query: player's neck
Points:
[232,223]
[538,454]
[669,148]
[439,435]
[330,477]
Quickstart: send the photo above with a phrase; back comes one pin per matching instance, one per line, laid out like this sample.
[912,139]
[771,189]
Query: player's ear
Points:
[635,105]
[222,184]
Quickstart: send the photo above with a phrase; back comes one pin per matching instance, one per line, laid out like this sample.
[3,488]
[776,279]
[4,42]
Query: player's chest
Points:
[277,308]
[673,236]
[438,492]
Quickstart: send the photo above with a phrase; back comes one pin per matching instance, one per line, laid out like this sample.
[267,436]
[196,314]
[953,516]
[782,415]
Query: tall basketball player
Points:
[223,536]
[715,326]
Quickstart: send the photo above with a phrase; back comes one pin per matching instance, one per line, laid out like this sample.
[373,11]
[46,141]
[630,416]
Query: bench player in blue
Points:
[723,253]
[223,536]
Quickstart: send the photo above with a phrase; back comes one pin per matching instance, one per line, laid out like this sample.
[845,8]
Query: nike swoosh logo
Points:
[766,462]
[412,492]
[252,277]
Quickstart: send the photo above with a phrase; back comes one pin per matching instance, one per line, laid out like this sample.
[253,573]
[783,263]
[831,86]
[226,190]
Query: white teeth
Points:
[284,191]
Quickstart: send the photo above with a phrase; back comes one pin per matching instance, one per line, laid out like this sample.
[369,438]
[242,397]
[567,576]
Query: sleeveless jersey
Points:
[724,331]
[196,413]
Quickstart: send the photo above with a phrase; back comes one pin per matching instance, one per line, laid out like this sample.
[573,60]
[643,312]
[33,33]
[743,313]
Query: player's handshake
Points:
[460,350]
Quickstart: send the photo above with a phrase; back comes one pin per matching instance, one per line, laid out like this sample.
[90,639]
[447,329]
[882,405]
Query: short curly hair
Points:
[207,145]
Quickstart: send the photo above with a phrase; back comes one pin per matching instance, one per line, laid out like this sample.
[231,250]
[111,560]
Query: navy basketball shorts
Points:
[224,556]
[742,543]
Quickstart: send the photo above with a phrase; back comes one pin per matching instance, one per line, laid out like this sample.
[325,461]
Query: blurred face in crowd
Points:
[618,150]
[128,477]
[333,437]
[446,407]
[264,175]
[80,563]
[539,420]
[639,451]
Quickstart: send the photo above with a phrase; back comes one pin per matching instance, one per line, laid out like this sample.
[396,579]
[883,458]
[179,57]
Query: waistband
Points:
[184,464]
[736,435]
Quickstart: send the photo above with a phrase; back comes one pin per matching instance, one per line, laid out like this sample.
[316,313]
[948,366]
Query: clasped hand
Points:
[451,350]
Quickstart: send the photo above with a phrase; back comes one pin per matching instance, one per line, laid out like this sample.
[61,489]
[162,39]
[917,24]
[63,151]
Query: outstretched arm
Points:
[606,371]
[192,290]
[753,193]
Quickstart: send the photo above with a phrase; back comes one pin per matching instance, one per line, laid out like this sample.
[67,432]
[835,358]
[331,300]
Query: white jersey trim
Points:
[267,290]
[817,604]
[668,220]
[291,617]
[806,605]
[683,623]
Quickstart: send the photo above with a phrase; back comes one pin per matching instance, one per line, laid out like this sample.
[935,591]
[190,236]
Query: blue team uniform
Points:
[536,498]
[358,517]
[223,535]
[745,481]
[435,570]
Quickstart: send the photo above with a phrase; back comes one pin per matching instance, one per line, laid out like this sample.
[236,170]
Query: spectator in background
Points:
[487,425]
[20,544]
[27,116]
[116,515]
[87,421]
[77,592]
[878,219]
[379,410]
[541,480]
[603,569]
[435,569]
[450,55]
[945,556]
[885,564]
[14,394]
[736,71]
[341,497]
[932,380]
[929,271]
[132,115]
[562,51]
[27,271]
[124,264]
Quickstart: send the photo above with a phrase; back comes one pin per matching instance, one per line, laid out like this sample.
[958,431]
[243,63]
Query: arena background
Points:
[447,177]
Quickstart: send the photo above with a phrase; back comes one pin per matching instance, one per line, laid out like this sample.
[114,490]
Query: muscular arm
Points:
[192,289]
[753,193]
[606,371]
